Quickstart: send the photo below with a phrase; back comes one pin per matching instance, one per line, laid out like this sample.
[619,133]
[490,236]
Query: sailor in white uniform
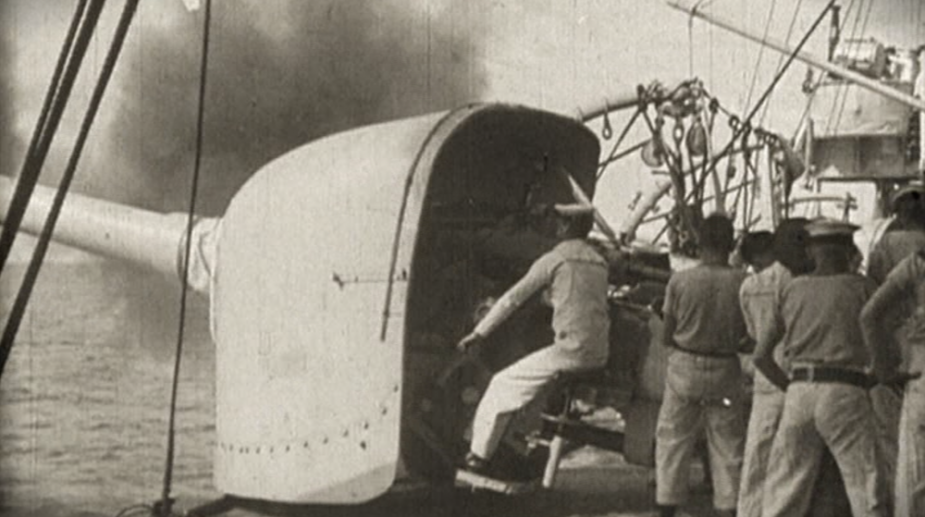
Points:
[574,277]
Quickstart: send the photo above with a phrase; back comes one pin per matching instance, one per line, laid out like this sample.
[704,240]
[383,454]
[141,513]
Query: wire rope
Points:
[764,38]
[163,508]
[70,59]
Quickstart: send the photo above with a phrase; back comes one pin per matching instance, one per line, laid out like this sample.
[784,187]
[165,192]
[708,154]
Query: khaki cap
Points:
[830,228]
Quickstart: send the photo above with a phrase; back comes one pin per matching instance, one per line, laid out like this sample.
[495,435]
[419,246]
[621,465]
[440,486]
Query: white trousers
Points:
[516,386]
[910,467]
[817,415]
[767,408]
[701,393]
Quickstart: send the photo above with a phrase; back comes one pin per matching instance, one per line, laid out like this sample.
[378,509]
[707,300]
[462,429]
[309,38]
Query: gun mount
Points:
[340,277]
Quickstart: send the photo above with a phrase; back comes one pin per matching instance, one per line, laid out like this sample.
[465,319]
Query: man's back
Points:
[760,295]
[909,277]
[578,295]
[573,278]
[705,303]
[893,247]
[821,314]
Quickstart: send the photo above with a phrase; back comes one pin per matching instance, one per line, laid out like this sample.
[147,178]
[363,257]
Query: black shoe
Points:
[667,511]
[475,464]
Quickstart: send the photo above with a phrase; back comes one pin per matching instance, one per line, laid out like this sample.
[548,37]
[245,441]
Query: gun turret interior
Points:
[482,226]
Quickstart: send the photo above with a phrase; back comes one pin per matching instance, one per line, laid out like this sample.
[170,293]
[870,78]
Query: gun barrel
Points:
[145,238]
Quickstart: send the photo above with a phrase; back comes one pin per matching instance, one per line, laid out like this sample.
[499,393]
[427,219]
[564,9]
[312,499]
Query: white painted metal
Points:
[308,395]
[118,231]
[309,272]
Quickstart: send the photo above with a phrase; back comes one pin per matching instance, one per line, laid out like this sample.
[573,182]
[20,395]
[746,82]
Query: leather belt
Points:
[829,374]
[712,355]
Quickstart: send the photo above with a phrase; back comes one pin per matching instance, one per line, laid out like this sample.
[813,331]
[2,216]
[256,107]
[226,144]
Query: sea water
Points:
[84,398]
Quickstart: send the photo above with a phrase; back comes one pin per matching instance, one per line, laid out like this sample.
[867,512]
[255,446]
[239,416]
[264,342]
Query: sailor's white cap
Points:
[573,209]
[822,228]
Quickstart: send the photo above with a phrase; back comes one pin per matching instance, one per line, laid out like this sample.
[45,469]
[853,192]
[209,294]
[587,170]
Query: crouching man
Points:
[573,278]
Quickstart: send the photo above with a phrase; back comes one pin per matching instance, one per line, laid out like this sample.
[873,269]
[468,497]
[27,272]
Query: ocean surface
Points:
[84,398]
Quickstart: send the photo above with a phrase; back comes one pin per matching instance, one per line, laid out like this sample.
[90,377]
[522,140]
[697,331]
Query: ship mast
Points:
[843,72]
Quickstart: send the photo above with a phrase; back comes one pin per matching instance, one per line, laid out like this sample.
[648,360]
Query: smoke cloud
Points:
[7,141]
[280,74]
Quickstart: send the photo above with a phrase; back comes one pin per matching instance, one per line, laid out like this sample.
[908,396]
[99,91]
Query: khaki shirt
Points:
[821,315]
[704,302]
[574,276]
[908,278]
[891,249]
[759,299]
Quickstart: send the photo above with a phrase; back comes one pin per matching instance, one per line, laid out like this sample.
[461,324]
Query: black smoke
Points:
[280,73]
[8,142]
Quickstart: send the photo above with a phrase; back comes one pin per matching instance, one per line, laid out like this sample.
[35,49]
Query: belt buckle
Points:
[811,374]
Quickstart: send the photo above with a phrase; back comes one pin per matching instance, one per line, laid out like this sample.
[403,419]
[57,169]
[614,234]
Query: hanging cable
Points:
[701,4]
[746,123]
[59,91]
[53,87]
[690,44]
[710,36]
[164,507]
[33,167]
[767,29]
[611,157]
[780,58]
[842,88]
[841,108]
[806,109]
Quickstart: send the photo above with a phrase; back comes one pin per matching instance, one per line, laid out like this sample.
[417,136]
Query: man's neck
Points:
[714,258]
[830,268]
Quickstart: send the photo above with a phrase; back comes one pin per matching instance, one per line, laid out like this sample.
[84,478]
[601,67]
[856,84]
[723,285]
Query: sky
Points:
[283,72]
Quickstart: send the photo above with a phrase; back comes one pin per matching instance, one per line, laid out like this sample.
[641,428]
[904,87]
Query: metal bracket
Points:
[342,280]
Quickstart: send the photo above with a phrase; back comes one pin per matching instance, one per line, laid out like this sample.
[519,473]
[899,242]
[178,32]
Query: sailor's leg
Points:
[762,425]
[845,421]
[725,430]
[793,463]
[679,423]
[910,468]
[510,390]
[886,404]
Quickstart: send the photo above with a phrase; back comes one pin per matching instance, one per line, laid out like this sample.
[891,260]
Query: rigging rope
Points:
[780,58]
[701,4]
[806,109]
[163,508]
[764,39]
[841,108]
[842,88]
[690,45]
[746,123]
[30,173]
[59,91]
[611,157]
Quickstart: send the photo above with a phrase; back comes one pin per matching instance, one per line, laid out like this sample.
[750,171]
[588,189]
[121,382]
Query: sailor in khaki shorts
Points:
[826,402]
[703,387]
